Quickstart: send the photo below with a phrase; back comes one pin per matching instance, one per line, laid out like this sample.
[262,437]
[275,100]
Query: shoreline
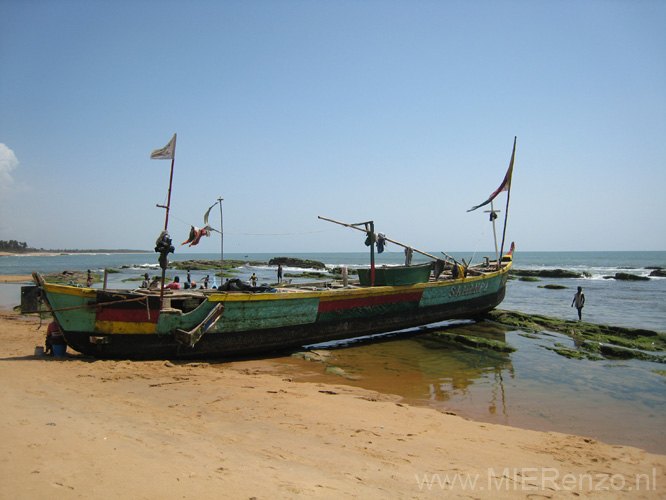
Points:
[82,252]
[242,429]
[15,279]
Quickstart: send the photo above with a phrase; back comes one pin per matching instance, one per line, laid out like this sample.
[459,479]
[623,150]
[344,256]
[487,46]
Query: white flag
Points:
[167,152]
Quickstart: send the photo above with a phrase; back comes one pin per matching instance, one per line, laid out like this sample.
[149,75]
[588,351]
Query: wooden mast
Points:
[219,200]
[167,152]
[508,197]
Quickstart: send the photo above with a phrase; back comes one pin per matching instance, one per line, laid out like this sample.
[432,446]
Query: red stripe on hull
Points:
[338,305]
[127,315]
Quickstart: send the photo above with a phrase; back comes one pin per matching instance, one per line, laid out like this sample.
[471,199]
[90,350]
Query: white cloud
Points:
[8,162]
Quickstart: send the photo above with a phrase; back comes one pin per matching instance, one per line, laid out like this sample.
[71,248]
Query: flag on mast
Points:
[506,183]
[167,152]
[206,225]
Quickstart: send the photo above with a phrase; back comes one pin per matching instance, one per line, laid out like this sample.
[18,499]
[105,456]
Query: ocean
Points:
[616,401]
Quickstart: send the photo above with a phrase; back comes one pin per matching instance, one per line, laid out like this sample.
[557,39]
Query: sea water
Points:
[620,402]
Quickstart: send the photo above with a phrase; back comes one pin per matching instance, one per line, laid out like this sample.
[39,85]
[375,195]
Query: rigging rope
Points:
[257,234]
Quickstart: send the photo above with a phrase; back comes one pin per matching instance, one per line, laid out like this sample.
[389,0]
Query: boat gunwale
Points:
[293,294]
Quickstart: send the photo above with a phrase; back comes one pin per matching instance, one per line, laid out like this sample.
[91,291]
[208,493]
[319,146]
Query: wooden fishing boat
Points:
[211,323]
[161,324]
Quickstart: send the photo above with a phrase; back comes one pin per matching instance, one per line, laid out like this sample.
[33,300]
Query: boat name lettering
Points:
[468,289]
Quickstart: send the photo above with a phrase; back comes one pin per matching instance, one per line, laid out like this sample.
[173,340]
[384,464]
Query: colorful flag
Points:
[506,183]
[195,235]
[167,152]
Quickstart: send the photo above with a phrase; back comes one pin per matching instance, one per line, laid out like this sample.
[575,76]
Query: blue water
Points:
[632,304]
[614,401]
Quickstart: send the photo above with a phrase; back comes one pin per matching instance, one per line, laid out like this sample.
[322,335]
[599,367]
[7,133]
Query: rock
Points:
[547,273]
[294,262]
[658,272]
[630,277]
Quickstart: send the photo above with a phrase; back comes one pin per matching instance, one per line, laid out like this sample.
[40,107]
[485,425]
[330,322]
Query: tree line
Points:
[14,246]
[22,247]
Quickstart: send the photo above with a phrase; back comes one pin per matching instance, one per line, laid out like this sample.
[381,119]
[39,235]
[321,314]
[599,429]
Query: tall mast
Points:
[168,205]
[508,197]
[166,153]
[219,200]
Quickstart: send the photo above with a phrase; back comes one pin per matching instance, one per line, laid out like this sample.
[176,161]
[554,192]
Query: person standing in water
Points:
[579,302]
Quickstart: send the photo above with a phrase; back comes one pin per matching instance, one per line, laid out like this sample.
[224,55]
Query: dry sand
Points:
[15,279]
[76,427]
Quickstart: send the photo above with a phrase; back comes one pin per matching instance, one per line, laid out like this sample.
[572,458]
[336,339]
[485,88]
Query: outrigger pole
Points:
[355,226]
[371,231]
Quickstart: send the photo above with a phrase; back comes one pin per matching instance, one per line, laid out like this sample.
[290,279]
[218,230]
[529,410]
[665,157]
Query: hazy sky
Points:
[403,112]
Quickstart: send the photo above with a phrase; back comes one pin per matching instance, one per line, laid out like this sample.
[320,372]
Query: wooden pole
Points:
[508,197]
[219,200]
[372,253]
[355,226]
[166,220]
[168,205]
[493,217]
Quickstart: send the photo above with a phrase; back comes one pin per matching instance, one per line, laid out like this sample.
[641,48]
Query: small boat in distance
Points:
[168,324]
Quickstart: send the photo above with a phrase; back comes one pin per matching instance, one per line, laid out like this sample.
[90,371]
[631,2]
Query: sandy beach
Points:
[15,279]
[75,427]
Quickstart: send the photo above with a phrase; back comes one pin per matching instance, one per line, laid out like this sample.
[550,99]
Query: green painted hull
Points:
[396,275]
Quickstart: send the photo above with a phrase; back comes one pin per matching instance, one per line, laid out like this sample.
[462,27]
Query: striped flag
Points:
[506,183]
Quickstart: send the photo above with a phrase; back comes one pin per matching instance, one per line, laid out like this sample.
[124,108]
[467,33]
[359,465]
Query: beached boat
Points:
[163,324]
[212,323]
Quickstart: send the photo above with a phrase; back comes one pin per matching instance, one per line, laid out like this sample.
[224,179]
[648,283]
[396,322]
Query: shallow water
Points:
[621,402]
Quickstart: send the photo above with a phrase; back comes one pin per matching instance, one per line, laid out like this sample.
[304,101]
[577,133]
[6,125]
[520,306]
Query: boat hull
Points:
[128,325]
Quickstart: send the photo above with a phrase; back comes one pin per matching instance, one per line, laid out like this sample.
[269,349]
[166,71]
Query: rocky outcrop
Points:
[546,273]
[294,262]
[627,277]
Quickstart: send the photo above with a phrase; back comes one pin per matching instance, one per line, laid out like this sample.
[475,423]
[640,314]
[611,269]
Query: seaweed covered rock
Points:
[612,341]
[473,341]
[204,265]
[627,277]
[294,262]
[546,273]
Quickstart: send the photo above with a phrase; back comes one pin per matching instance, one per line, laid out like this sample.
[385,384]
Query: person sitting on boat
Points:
[155,284]
[146,281]
[175,284]
[253,279]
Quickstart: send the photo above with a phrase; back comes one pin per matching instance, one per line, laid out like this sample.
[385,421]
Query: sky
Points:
[400,112]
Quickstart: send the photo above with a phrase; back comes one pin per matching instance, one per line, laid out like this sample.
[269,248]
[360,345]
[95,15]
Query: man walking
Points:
[579,302]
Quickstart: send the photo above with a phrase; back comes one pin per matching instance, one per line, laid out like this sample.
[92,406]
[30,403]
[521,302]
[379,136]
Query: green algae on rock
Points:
[611,341]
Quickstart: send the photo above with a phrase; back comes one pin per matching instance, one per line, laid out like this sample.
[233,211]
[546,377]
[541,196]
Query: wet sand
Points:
[76,427]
